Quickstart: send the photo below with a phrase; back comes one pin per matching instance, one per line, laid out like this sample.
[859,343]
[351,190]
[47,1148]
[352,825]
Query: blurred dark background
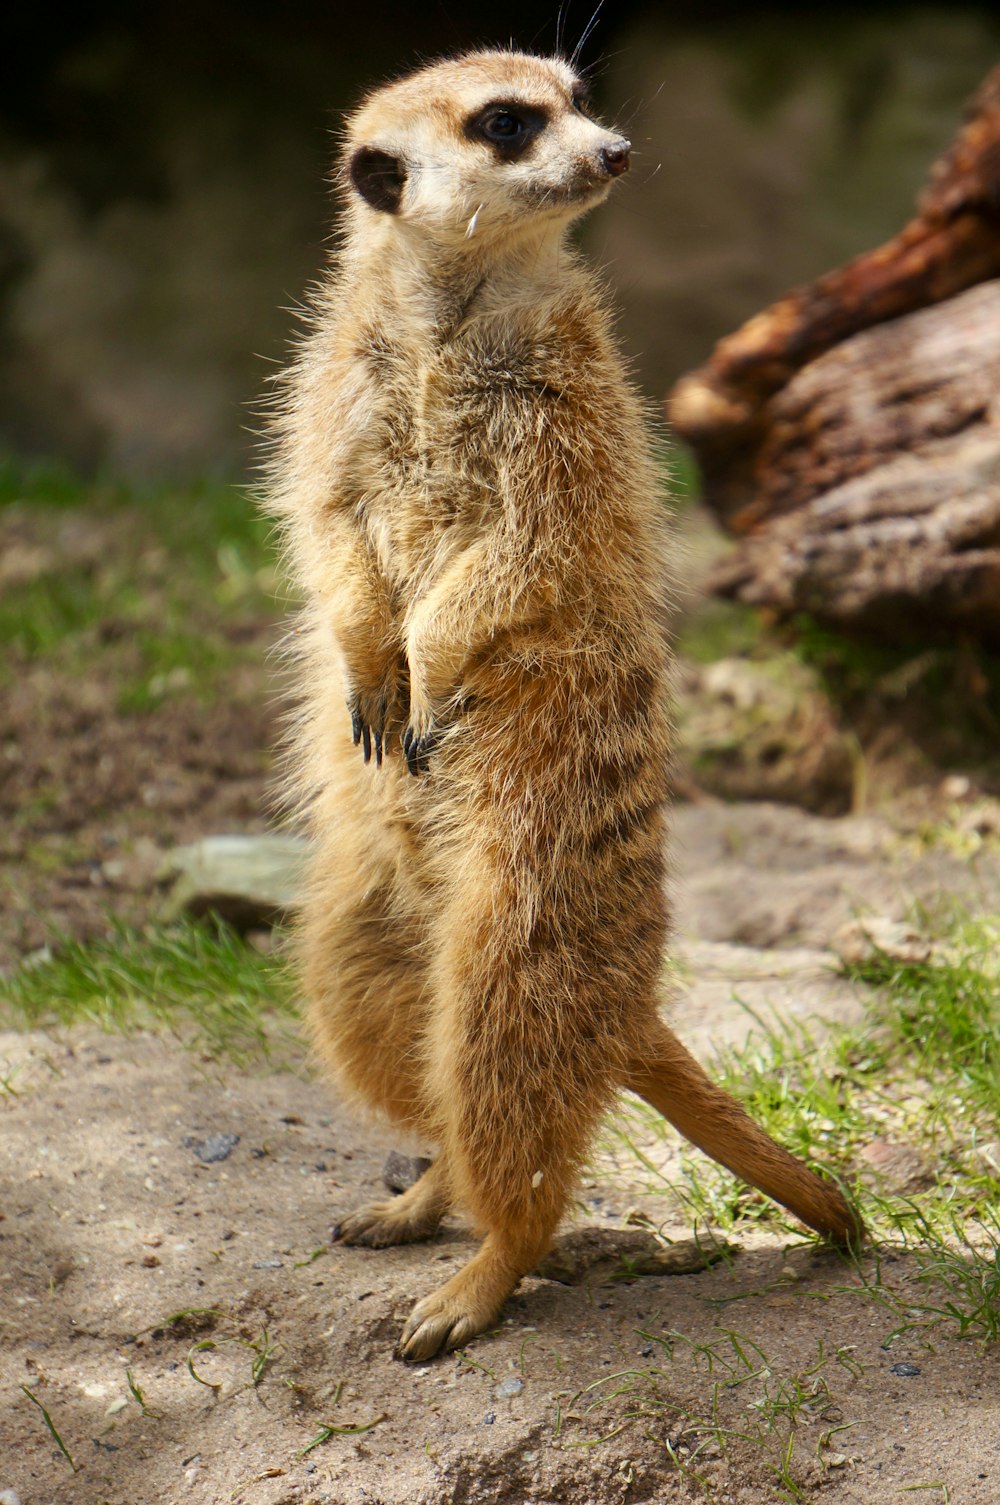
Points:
[163,196]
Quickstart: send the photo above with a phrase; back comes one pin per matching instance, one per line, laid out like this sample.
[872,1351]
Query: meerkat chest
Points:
[421,468]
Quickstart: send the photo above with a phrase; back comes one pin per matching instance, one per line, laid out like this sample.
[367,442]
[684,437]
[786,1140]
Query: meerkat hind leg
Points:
[405,1219]
[674,1083]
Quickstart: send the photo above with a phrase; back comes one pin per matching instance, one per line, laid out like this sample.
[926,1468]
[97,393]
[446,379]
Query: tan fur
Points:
[470,504]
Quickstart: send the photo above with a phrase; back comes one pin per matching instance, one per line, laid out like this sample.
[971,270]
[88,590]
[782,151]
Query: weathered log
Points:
[850,434]
[880,474]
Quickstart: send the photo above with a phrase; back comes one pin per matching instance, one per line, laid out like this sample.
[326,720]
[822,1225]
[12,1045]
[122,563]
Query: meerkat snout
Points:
[617,159]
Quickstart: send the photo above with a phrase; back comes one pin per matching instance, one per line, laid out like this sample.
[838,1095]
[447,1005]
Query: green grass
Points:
[924,1069]
[943,1016]
[200,983]
[172,578]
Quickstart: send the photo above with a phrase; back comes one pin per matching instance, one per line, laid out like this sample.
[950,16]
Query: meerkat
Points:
[464,475]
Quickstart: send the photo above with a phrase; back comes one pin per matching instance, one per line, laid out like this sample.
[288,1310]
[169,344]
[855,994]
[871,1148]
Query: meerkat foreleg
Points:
[482,594]
[674,1083]
[359,612]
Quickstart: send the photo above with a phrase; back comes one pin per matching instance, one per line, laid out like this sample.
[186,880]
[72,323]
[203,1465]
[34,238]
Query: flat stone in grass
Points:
[248,881]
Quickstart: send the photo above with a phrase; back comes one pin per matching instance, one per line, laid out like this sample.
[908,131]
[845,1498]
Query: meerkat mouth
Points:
[557,197]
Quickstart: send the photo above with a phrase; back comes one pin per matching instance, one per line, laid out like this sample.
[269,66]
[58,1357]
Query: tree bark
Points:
[849,435]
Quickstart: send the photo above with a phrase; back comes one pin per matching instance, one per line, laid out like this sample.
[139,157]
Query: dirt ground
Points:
[113,1222]
[191,1333]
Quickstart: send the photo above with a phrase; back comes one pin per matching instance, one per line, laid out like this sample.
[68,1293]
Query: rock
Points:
[400,1172]
[861,941]
[896,1168]
[905,1371]
[611,1254]
[248,881]
[507,1389]
[764,731]
[213,1148]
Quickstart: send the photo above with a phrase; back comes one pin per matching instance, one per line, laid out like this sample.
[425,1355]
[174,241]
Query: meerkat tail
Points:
[673,1082]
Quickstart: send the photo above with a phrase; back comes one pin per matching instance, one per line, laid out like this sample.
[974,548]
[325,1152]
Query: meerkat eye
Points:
[581,104]
[503,125]
[508,128]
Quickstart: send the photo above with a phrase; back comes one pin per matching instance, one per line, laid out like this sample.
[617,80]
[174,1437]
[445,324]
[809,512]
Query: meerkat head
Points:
[482,147]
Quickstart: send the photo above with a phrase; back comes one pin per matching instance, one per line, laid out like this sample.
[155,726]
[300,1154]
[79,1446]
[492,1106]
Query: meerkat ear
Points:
[378,177]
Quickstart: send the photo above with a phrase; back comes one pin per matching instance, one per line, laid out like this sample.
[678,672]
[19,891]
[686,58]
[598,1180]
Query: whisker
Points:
[586,33]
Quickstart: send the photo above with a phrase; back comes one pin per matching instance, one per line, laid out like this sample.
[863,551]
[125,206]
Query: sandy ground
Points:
[113,1221]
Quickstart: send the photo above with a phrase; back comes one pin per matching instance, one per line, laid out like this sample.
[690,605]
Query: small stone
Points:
[268,1264]
[400,1172]
[213,1148]
[150,1261]
[9,1497]
[835,1460]
[906,1371]
[878,936]
[116,1406]
[507,1389]
[489,1418]
[897,1168]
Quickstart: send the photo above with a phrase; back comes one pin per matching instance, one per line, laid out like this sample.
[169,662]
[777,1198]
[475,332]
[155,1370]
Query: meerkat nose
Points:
[615,159]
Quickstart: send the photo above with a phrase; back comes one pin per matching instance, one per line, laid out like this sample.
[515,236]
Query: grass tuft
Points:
[203,984]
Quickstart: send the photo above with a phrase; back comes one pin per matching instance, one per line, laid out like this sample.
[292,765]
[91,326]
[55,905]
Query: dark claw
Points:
[366,743]
[378,749]
[418,750]
[356,726]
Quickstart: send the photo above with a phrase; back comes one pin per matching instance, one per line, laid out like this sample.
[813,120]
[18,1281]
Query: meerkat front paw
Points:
[374,715]
[417,748]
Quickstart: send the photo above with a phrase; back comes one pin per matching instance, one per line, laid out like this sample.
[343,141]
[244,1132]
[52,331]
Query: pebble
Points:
[906,1370]
[489,1418]
[400,1172]
[213,1148]
[9,1497]
[267,1264]
[508,1388]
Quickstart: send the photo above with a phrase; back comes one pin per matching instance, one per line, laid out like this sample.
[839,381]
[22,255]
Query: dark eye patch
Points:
[507,126]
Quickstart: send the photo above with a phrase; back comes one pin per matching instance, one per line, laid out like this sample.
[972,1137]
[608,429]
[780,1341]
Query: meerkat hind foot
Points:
[464,1306]
[407,1219]
[378,1225]
[451,1316]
